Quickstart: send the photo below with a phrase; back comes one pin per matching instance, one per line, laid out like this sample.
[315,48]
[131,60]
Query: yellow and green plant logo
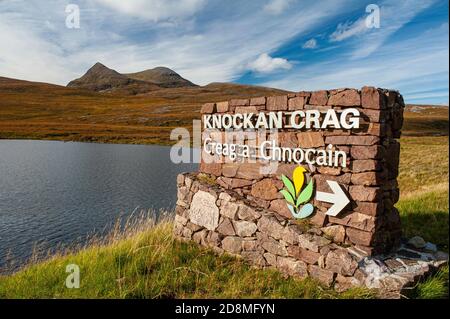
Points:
[296,195]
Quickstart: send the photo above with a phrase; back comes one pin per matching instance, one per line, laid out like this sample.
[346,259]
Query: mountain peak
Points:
[100,69]
[98,64]
[162,76]
[101,78]
[163,69]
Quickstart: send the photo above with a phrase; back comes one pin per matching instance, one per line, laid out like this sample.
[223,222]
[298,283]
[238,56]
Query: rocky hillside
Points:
[164,77]
[100,78]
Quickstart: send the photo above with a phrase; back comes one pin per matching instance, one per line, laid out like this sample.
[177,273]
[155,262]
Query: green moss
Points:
[208,179]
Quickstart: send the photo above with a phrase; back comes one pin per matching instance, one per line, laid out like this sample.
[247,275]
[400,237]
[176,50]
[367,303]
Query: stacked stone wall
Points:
[370,222]
[227,222]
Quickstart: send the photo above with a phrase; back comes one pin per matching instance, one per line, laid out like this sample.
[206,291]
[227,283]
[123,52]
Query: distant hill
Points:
[83,112]
[100,78]
[162,76]
[34,110]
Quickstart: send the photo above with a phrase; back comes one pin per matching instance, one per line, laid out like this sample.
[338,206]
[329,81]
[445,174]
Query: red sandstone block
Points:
[207,158]
[371,115]
[319,219]
[348,97]
[352,140]
[360,237]
[222,107]
[239,102]
[324,276]
[365,194]
[372,98]
[322,185]
[285,169]
[287,139]
[230,169]
[355,220]
[359,166]
[336,132]
[303,254]
[267,189]
[279,206]
[375,129]
[371,209]
[208,108]
[211,168]
[320,108]
[296,103]
[305,94]
[235,182]
[257,101]
[368,178]
[310,139]
[277,103]
[319,98]
[370,251]
[335,171]
[245,110]
[249,171]
[341,262]
[367,152]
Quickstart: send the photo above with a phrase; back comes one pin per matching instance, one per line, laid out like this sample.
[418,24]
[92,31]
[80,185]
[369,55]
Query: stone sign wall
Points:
[234,207]
[370,221]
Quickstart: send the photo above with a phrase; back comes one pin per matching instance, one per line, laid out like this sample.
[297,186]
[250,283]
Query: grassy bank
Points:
[151,264]
[144,261]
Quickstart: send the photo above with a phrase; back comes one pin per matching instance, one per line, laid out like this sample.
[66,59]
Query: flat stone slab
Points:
[396,273]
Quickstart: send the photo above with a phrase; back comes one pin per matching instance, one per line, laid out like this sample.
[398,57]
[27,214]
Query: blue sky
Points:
[288,44]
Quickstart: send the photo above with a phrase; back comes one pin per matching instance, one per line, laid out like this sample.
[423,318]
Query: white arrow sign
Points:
[338,198]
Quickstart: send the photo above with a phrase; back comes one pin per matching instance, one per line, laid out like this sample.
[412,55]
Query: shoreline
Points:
[111,142]
[171,143]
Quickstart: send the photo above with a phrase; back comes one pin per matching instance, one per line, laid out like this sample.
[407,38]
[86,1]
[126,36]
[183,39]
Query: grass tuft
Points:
[435,287]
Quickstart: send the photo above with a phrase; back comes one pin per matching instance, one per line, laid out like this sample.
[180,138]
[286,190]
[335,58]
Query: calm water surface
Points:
[57,193]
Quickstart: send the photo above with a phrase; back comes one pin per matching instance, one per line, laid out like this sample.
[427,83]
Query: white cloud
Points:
[156,10]
[421,61]
[393,15]
[266,64]
[216,50]
[310,44]
[277,6]
[27,56]
[348,29]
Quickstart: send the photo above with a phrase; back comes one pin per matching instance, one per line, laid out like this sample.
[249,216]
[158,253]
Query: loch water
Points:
[55,193]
